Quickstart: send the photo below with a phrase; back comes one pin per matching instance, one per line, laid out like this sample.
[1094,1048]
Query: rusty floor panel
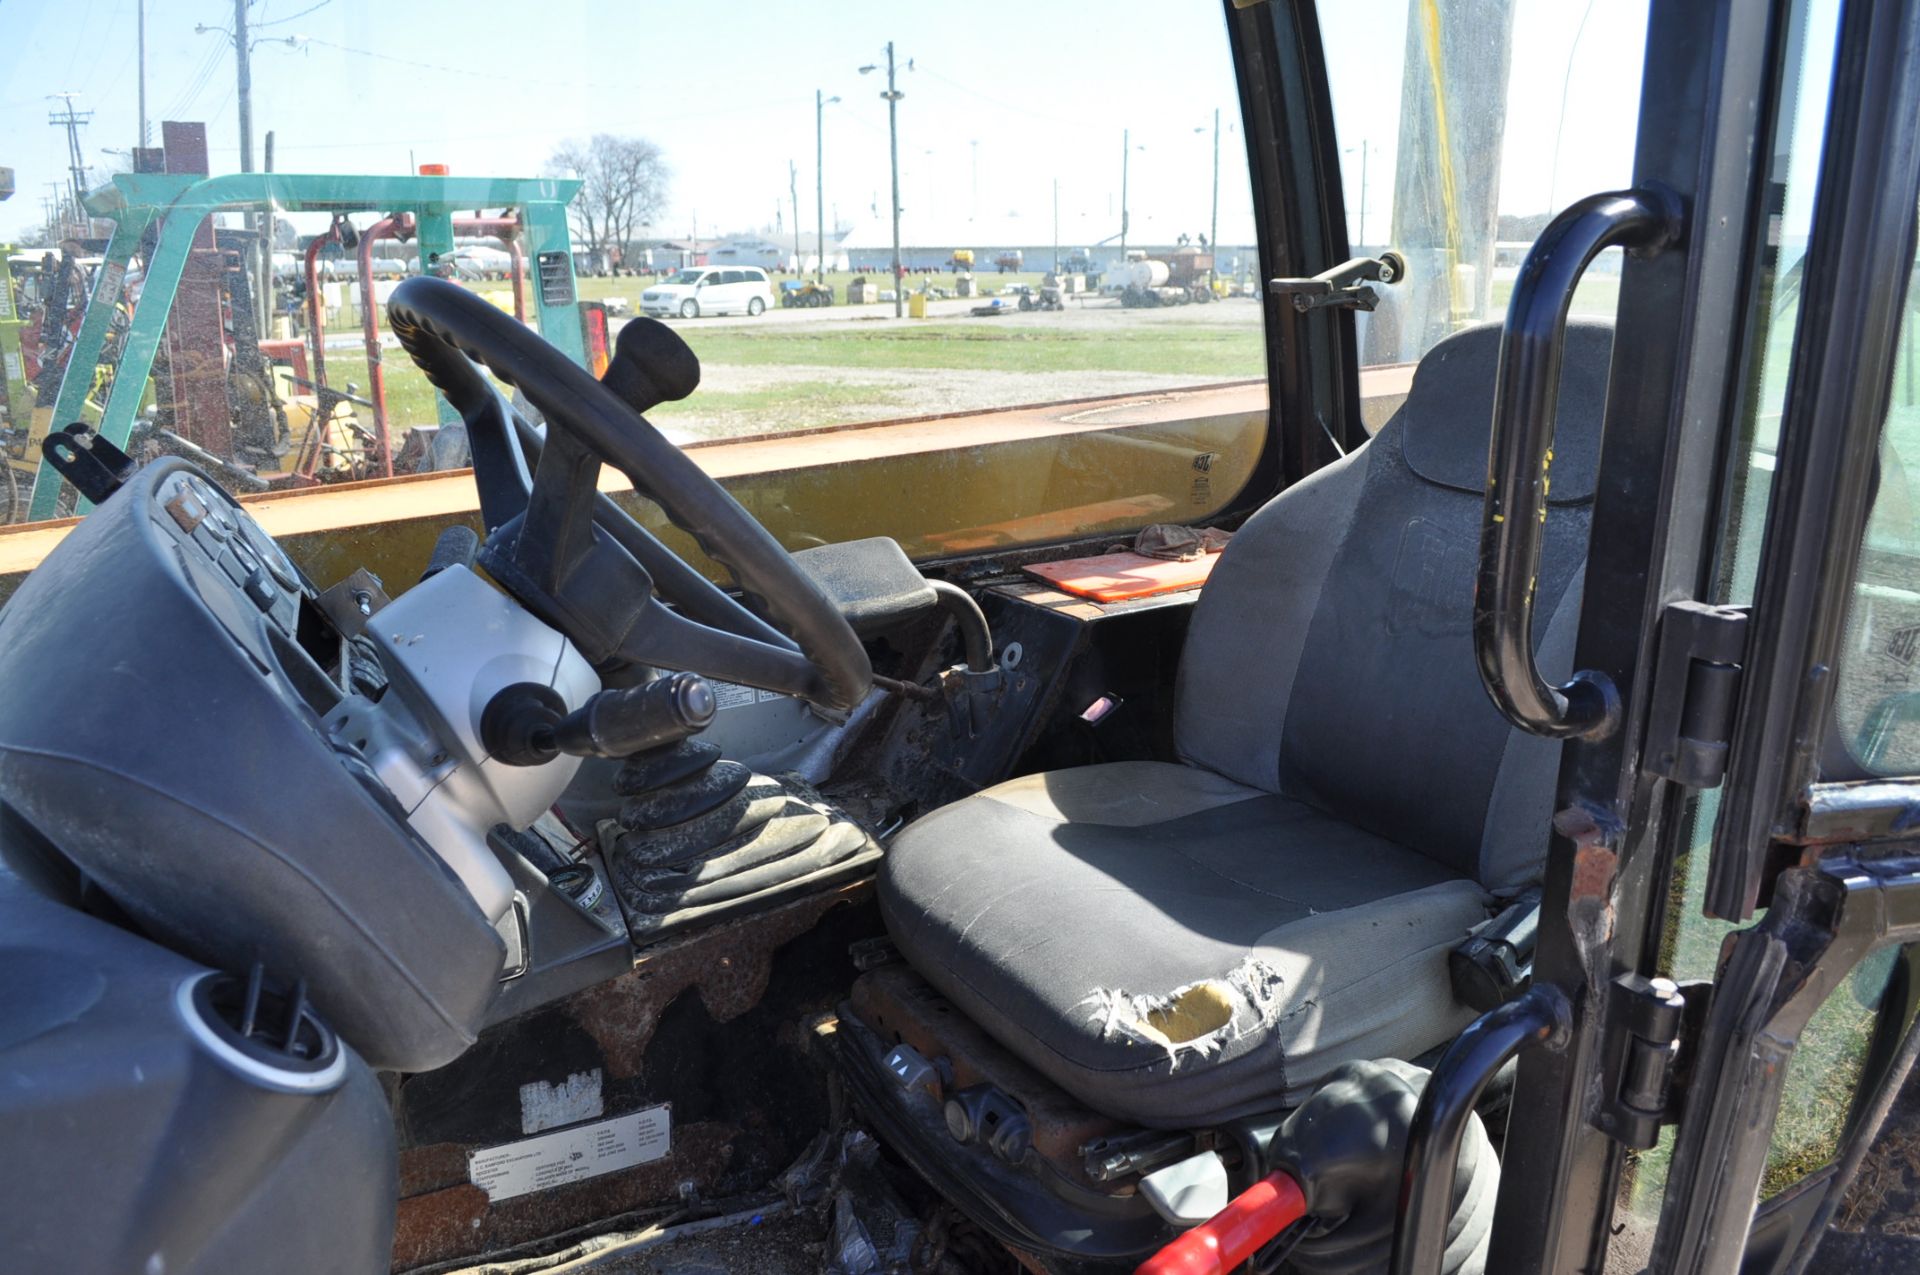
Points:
[691,1026]
[898,1005]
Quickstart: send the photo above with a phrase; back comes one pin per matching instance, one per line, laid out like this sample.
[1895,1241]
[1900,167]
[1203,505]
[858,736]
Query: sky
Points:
[1003,99]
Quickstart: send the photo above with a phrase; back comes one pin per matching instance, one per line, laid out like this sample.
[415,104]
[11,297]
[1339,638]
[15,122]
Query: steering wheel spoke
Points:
[664,639]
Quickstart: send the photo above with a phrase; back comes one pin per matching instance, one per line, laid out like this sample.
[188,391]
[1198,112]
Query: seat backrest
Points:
[1331,655]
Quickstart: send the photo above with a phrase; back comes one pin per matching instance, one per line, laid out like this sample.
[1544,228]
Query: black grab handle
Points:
[1520,451]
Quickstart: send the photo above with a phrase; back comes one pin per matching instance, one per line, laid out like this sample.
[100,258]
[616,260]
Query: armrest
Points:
[1495,962]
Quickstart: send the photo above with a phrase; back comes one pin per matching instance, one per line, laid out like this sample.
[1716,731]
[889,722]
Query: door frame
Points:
[1711,87]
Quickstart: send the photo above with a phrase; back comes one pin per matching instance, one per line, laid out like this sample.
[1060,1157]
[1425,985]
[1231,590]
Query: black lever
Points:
[458,546]
[1345,286]
[526,724]
[652,364]
[93,465]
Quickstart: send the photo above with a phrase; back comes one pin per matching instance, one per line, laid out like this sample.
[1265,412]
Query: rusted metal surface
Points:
[897,1005]
[1870,810]
[459,1221]
[728,964]
[399,226]
[432,1168]
[1596,864]
[709,1024]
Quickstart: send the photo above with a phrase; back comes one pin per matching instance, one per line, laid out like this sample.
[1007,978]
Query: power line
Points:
[293,16]
[196,85]
[424,66]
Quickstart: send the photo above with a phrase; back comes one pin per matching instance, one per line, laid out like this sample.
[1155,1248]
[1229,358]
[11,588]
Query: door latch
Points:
[1696,686]
[1346,286]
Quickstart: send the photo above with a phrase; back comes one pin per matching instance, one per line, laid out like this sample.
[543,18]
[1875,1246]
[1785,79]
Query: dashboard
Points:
[181,720]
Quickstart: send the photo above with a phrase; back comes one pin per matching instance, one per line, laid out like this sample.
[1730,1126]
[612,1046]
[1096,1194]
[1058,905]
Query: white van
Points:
[700,290]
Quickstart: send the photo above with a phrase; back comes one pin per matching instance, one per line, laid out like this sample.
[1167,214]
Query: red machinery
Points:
[401,227]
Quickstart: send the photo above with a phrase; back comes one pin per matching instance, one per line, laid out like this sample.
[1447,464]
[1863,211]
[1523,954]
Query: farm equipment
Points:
[1048,296]
[962,261]
[343,237]
[1177,278]
[218,397]
[804,294]
[1009,261]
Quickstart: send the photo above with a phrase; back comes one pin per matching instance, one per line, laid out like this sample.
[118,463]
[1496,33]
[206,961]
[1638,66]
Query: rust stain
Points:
[1590,913]
[1028,1261]
[895,1004]
[459,1221]
[729,964]
[1593,872]
[429,1168]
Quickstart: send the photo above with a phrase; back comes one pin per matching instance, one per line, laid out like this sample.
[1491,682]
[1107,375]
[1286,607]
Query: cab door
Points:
[1741,741]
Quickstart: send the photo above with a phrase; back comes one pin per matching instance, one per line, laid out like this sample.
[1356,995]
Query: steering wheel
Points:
[576,559]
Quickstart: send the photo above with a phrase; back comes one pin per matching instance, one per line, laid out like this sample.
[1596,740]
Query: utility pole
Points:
[893,96]
[793,190]
[140,10]
[1213,228]
[243,68]
[1126,153]
[1056,225]
[76,159]
[820,104]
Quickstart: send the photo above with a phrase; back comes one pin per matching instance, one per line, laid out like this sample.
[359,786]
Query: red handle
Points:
[1220,1244]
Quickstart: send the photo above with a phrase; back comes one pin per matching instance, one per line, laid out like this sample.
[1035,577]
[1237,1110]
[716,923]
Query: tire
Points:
[756,307]
[689,309]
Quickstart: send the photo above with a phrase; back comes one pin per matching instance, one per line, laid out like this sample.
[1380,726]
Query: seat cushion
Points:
[1173,947]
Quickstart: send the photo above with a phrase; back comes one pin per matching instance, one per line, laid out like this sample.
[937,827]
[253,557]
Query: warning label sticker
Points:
[732,695]
[569,1155]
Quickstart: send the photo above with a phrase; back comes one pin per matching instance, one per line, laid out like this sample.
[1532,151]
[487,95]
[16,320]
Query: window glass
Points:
[1877,699]
[1073,346]
[1463,128]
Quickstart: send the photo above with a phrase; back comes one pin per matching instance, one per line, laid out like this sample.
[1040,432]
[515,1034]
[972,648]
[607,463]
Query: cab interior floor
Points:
[847,1208]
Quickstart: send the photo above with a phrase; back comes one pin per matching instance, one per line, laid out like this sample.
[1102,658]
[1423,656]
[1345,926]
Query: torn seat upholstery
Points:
[1180,943]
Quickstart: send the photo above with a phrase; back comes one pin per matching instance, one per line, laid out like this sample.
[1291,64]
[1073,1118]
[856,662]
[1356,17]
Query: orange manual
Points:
[1120,577]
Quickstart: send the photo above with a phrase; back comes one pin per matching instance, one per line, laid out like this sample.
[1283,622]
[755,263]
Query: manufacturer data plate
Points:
[569,1155]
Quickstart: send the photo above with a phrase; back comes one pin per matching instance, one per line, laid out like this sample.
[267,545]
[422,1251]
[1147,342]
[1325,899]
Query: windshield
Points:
[991,346]
[1462,130]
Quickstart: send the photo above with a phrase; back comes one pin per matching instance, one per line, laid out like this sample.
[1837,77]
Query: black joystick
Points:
[652,364]
[527,724]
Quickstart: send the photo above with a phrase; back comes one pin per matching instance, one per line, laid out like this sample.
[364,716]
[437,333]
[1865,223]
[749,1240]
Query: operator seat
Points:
[1182,943]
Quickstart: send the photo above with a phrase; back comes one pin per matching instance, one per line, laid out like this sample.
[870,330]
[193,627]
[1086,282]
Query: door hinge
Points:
[1696,686]
[1651,1024]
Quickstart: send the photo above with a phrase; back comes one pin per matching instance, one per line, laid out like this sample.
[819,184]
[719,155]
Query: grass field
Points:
[810,353]
[1206,351]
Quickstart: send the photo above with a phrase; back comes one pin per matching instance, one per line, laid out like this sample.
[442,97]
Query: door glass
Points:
[1463,128]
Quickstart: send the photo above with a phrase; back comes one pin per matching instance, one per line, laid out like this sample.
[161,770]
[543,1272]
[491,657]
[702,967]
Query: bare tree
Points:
[624,187]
